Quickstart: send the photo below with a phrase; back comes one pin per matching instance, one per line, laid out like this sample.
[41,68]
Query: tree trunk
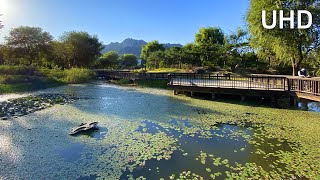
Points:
[294,70]
[296,65]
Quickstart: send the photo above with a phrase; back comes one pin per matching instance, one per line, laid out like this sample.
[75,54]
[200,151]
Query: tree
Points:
[150,47]
[85,49]
[192,54]
[155,58]
[174,55]
[209,41]
[210,35]
[61,54]
[129,61]
[29,41]
[109,60]
[293,45]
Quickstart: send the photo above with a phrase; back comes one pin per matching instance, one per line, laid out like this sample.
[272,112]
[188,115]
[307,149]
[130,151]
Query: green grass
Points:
[77,75]
[28,86]
[18,70]
[23,78]
[167,70]
[161,84]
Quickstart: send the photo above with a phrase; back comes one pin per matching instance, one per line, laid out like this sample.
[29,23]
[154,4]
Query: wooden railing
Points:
[304,85]
[227,81]
[153,76]
[289,84]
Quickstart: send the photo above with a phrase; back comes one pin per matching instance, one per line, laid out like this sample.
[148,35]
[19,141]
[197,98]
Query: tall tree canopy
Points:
[85,49]
[291,45]
[210,35]
[129,61]
[209,41]
[30,41]
[109,59]
[150,47]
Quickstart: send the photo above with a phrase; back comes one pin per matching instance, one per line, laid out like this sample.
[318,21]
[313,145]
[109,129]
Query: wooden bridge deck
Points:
[270,86]
[254,85]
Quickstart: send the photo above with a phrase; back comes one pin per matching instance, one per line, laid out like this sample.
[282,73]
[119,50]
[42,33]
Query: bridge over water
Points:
[271,86]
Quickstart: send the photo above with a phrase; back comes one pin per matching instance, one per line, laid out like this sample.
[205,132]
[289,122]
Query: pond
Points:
[150,134]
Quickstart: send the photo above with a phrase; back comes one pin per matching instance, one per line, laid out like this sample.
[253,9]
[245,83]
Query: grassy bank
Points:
[161,84]
[24,78]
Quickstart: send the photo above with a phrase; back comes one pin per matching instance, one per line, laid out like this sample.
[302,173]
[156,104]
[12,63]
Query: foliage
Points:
[30,42]
[84,48]
[293,45]
[163,84]
[77,75]
[129,61]
[73,75]
[109,60]
[18,70]
[155,58]
[210,35]
[150,47]
[29,78]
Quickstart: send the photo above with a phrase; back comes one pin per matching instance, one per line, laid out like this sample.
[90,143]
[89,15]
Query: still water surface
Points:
[143,133]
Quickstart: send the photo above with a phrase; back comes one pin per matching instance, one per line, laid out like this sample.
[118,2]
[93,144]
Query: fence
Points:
[255,81]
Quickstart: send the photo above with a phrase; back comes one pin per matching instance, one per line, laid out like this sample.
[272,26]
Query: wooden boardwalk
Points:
[273,86]
[255,85]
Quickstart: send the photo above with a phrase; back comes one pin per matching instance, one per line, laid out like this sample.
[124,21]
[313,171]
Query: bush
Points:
[74,75]
[18,70]
[78,75]
[55,73]
[15,79]
[163,84]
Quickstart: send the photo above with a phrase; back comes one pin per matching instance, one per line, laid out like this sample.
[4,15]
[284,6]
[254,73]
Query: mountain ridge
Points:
[131,46]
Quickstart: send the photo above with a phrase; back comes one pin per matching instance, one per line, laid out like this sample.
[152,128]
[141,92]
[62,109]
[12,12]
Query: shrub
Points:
[55,73]
[77,75]
[18,70]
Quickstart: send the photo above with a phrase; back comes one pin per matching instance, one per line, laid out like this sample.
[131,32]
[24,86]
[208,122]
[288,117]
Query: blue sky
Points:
[172,21]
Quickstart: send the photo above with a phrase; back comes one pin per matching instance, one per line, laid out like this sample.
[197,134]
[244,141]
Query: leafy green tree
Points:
[210,35]
[150,47]
[61,54]
[85,49]
[110,59]
[192,54]
[30,42]
[293,45]
[174,55]
[129,61]
[155,58]
[210,42]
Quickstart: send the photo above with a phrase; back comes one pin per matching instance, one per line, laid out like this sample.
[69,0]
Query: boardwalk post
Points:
[175,92]
[213,96]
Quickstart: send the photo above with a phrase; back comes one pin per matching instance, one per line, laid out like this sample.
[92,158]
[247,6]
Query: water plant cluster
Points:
[183,138]
[26,105]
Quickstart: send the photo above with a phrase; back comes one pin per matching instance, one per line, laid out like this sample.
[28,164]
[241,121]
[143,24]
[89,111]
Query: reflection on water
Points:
[133,123]
[309,106]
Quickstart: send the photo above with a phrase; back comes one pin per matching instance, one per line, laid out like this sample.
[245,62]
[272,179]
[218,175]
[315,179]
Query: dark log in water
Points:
[83,127]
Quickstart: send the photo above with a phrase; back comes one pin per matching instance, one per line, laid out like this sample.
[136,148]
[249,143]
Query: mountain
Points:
[131,46]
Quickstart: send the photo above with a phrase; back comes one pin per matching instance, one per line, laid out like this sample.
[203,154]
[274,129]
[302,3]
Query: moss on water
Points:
[288,140]
[161,84]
